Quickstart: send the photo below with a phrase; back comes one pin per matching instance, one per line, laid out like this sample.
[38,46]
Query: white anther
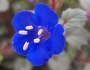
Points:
[37,40]
[40,32]
[23,32]
[39,26]
[25,46]
[29,27]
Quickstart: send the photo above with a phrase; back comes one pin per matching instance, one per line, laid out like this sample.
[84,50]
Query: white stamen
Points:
[25,46]
[40,32]
[29,27]
[37,40]
[39,26]
[23,32]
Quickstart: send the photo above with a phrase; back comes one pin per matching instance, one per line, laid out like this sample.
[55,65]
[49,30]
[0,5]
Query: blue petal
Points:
[39,54]
[18,42]
[56,41]
[22,19]
[45,15]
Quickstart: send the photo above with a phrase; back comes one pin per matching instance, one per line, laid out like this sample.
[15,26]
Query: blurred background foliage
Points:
[71,59]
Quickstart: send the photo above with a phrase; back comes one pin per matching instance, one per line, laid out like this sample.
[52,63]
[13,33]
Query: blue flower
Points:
[38,36]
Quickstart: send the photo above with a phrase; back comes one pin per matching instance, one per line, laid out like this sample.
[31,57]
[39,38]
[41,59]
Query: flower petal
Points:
[56,41]
[47,16]
[19,41]
[39,54]
[22,19]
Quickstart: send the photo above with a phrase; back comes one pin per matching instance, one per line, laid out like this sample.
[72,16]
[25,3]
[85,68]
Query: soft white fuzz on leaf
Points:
[85,4]
[61,62]
[77,37]
[73,18]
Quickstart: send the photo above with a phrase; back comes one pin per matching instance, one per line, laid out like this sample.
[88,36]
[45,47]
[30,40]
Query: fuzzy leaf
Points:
[61,62]
[73,18]
[77,37]
[85,4]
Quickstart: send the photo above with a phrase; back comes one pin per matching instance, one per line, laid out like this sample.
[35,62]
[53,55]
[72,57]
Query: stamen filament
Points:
[40,32]
[29,27]
[23,32]
[25,46]
[37,40]
[39,26]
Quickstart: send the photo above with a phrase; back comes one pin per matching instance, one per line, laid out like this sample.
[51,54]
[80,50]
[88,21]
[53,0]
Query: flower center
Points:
[43,35]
